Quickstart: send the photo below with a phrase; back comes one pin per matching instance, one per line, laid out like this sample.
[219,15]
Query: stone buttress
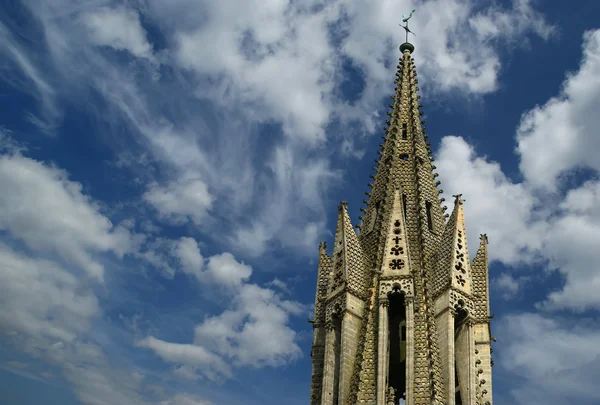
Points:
[400,311]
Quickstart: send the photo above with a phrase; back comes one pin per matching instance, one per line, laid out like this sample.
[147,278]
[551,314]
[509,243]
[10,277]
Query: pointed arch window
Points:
[429,221]
[404,131]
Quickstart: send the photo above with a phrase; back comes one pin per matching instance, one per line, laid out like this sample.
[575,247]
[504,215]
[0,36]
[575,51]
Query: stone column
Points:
[410,349]
[449,362]
[473,369]
[329,365]
[382,354]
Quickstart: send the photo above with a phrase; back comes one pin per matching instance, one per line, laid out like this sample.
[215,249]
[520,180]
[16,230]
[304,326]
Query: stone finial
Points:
[458,199]
[322,247]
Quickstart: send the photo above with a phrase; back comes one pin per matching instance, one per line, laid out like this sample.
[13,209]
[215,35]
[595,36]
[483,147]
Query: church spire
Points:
[405,161]
[395,323]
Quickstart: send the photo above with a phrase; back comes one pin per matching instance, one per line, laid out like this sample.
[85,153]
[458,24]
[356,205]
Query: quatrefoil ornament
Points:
[397,251]
[396,264]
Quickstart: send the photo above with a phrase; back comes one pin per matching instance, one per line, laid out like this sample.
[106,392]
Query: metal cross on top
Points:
[405,21]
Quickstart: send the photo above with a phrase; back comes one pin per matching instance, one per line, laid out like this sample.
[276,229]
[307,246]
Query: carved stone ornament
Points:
[404,285]
[337,305]
[459,300]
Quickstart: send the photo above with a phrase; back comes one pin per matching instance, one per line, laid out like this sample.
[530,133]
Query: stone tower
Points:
[400,311]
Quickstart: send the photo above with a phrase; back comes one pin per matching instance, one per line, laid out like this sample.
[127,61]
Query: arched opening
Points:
[428,211]
[397,344]
[337,328]
[461,315]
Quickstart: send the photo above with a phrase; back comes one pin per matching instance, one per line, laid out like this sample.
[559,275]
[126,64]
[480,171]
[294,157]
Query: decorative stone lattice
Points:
[460,262]
[387,286]
[336,305]
[363,386]
[479,269]
[325,269]
[458,299]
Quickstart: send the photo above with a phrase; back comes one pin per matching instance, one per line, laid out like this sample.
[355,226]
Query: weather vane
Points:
[405,21]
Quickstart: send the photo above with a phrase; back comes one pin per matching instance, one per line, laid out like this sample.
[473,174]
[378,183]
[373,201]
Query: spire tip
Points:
[407,46]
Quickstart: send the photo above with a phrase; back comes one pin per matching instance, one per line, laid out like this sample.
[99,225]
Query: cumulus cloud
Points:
[210,364]
[180,202]
[118,28]
[41,299]
[562,239]
[509,285]
[41,207]
[487,189]
[557,359]
[570,247]
[562,234]
[223,269]
[254,331]
[188,254]
[561,134]
[49,311]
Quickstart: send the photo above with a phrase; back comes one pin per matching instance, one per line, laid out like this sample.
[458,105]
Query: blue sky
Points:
[168,169]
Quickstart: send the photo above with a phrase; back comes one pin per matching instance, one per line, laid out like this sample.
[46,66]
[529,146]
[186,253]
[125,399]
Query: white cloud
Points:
[185,399]
[510,285]
[558,360]
[254,331]
[224,270]
[561,135]
[279,284]
[37,83]
[270,63]
[494,22]
[181,202]
[486,189]
[40,206]
[210,364]
[221,270]
[188,254]
[118,28]
[39,299]
[264,46]
[562,235]
[571,247]
[450,54]
[530,225]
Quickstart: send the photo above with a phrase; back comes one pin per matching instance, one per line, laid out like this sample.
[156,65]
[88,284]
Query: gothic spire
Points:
[348,260]
[453,268]
[481,288]
[405,156]
[323,275]
[398,316]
